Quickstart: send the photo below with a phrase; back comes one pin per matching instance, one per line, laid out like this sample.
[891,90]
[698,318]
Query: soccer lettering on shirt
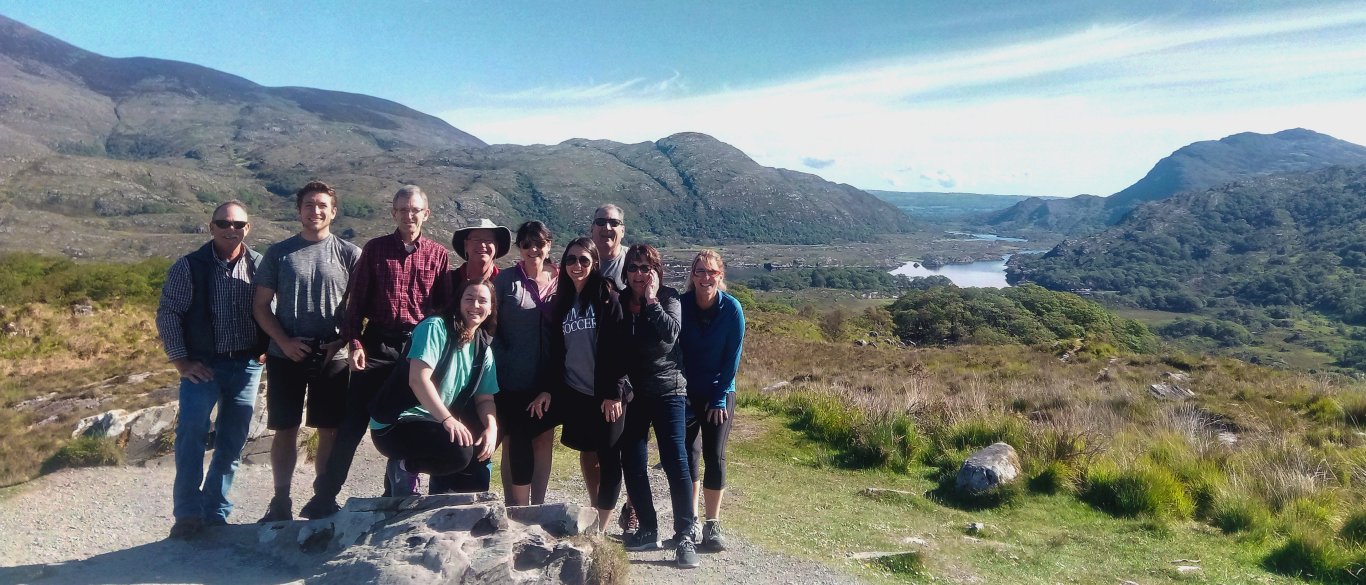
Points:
[580,342]
[577,321]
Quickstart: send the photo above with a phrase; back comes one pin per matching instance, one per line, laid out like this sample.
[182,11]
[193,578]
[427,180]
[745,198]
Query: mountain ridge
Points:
[136,151]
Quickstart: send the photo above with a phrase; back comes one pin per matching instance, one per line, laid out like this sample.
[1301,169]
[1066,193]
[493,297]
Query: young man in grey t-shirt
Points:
[299,302]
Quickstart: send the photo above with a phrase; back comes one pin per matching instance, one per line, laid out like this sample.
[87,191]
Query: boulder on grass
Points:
[988,469]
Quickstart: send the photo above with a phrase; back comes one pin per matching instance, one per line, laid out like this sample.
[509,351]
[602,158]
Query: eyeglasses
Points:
[223,224]
[409,210]
[489,243]
[584,261]
[705,272]
[639,268]
[608,221]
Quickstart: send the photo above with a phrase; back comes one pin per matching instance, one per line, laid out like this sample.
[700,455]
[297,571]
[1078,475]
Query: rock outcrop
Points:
[455,538]
[989,468]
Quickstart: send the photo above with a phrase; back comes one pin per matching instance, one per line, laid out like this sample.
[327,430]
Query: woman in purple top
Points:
[712,336]
[526,298]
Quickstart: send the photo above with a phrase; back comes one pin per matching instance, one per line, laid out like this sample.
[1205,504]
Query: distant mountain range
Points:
[933,205]
[1194,167]
[100,156]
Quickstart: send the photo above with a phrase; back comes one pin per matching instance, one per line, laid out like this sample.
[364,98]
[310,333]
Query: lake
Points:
[985,274]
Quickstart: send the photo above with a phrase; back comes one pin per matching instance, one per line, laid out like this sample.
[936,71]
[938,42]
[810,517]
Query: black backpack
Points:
[396,396]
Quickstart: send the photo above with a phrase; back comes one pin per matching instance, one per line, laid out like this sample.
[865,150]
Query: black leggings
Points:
[424,446]
[707,441]
[586,430]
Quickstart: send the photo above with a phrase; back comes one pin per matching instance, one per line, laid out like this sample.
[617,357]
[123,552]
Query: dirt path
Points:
[109,525]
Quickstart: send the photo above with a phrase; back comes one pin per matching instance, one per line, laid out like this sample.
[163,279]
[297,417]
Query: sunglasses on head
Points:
[639,268]
[607,221]
[584,261]
[225,224]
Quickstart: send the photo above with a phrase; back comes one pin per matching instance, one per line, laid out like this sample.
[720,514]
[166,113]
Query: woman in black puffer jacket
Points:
[648,351]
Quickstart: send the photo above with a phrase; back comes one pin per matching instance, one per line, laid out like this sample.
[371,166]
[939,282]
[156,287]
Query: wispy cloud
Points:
[1087,111]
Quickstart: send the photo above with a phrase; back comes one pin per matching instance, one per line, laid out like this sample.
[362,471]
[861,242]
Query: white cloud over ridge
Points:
[1088,111]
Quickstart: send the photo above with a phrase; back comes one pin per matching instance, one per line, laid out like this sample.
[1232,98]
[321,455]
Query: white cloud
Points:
[1084,112]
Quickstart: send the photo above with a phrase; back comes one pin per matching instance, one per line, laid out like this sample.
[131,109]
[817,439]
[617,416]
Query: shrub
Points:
[1309,553]
[85,452]
[1325,410]
[1239,512]
[1145,489]
[608,563]
[1056,477]
[1354,528]
[976,433]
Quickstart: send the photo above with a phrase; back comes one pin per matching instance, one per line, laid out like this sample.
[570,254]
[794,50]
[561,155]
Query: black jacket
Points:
[609,381]
[645,346]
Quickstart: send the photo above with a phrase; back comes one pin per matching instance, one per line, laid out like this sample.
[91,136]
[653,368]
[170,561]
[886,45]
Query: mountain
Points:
[116,155]
[1288,240]
[1194,167]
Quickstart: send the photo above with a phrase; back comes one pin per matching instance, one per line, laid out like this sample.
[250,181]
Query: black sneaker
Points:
[686,553]
[712,539]
[642,539]
[281,509]
[319,508]
[187,528]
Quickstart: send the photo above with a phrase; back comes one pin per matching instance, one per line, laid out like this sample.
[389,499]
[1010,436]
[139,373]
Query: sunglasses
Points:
[607,221]
[529,244]
[584,261]
[223,224]
[705,272]
[639,268]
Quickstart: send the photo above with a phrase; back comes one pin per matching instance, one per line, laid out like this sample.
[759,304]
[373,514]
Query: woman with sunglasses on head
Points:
[455,421]
[713,332]
[526,294]
[590,399]
[649,351]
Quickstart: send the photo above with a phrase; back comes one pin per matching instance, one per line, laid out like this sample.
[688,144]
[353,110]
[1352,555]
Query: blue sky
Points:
[1046,97]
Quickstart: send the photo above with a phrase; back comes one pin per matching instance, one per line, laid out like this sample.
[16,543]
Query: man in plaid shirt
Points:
[206,326]
[398,280]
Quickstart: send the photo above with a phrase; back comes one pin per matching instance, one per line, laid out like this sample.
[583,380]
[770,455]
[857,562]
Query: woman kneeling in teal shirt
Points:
[439,436]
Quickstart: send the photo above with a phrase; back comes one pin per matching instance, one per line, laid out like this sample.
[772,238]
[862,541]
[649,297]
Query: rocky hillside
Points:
[1193,167]
[1280,252]
[111,153]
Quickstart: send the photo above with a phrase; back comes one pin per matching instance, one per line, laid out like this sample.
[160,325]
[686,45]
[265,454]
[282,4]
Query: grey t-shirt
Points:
[581,347]
[309,280]
[611,270]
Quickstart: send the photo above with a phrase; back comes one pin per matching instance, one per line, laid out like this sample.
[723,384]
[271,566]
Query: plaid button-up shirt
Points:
[394,288]
[234,327]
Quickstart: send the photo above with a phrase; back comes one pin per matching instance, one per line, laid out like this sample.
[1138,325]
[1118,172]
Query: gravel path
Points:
[109,525]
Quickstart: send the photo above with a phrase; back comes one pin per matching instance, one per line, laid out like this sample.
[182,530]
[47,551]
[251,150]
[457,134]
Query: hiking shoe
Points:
[686,553]
[402,483]
[712,538]
[187,528]
[281,509]
[642,539]
[318,508]
[628,521]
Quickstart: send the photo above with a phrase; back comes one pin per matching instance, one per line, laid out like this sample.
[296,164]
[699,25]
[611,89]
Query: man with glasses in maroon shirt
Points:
[399,279]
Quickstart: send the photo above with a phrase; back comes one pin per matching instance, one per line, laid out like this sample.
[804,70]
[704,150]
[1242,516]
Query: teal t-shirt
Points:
[429,340]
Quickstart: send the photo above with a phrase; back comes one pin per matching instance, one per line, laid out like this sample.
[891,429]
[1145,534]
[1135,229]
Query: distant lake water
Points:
[985,237]
[985,274]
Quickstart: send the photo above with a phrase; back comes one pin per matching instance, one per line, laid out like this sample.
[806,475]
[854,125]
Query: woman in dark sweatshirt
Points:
[648,350]
[588,397]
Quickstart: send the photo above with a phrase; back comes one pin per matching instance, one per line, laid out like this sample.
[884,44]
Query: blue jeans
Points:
[668,415]
[234,385]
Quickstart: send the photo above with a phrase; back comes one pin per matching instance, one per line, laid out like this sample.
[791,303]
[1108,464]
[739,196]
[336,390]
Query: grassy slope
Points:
[786,497]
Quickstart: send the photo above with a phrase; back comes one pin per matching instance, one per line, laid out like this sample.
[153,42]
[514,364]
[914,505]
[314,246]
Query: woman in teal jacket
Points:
[712,335]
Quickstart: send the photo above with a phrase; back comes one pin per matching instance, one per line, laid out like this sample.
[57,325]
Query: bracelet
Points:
[448,417]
